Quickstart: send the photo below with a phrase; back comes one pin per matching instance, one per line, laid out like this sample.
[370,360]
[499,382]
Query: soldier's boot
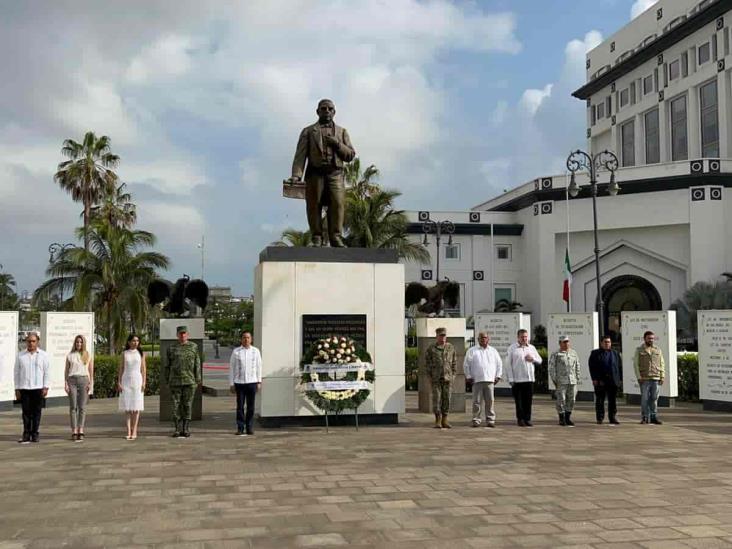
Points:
[438,421]
[184,429]
[568,419]
[445,424]
[176,432]
[562,422]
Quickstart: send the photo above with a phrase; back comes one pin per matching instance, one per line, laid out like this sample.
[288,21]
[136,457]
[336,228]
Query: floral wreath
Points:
[335,351]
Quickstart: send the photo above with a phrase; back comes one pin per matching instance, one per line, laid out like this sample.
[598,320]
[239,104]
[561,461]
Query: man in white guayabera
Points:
[484,367]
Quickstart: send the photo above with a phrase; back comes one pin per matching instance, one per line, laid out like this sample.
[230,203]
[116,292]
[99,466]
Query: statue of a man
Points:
[327,148]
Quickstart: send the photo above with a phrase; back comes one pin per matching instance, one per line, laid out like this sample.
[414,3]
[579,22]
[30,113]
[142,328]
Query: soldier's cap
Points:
[181,329]
[441,331]
[563,338]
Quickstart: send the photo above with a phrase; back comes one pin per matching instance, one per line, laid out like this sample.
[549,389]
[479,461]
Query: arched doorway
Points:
[627,293]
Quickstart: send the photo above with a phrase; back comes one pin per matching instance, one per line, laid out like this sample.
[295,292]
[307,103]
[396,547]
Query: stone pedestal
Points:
[300,292]
[8,354]
[715,359]
[502,329]
[58,331]
[168,336]
[584,334]
[663,324]
[425,337]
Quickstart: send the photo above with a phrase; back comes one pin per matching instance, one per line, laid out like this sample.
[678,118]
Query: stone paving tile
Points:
[397,486]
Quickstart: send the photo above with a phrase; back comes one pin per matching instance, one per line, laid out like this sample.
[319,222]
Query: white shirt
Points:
[483,364]
[245,365]
[31,370]
[518,369]
[76,366]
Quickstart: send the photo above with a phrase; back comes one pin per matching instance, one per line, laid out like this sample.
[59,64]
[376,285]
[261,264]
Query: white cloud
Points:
[532,99]
[639,6]
[168,57]
[171,176]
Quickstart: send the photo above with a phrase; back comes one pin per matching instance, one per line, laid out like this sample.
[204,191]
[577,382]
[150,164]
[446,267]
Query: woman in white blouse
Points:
[78,379]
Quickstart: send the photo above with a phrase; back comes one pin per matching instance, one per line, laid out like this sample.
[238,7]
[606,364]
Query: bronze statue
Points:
[327,148]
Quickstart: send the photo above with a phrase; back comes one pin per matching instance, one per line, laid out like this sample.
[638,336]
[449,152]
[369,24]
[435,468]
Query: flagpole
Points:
[566,192]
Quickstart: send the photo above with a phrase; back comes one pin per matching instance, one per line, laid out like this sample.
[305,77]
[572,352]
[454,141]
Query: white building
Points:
[658,94]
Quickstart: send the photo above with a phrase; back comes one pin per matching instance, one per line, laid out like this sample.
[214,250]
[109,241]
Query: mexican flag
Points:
[567,276]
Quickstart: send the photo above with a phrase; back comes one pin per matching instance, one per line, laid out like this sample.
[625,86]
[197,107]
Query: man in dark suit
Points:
[605,368]
[326,148]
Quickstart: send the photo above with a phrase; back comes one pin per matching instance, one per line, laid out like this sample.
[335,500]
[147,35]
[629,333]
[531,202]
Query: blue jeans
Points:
[649,398]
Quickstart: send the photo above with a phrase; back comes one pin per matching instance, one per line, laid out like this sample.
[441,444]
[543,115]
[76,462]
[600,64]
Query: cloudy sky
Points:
[452,101]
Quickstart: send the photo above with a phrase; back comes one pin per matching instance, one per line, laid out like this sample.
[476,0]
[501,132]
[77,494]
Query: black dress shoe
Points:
[614,421]
[520,423]
[599,422]
[24,440]
[656,421]
[34,438]
[527,423]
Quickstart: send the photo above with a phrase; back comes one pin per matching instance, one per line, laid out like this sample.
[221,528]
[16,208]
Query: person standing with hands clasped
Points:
[245,379]
[564,371]
[78,376]
[483,366]
[649,370]
[521,358]
[441,365]
[131,382]
[31,378]
[605,368]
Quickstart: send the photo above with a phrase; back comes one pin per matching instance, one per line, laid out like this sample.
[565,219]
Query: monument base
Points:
[663,401]
[717,405]
[333,420]
[305,294]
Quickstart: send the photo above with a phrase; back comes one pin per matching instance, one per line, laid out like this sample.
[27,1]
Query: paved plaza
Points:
[390,486]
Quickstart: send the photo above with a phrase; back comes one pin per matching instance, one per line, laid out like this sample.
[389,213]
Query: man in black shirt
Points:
[605,368]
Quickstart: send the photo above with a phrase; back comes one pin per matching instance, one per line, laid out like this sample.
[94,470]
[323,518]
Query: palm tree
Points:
[293,237]
[700,296]
[111,277]
[8,297]
[372,222]
[87,175]
[360,183]
[507,306]
[116,208]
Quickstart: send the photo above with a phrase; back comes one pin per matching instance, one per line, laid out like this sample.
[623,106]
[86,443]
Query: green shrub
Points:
[688,371]
[410,368]
[106,368]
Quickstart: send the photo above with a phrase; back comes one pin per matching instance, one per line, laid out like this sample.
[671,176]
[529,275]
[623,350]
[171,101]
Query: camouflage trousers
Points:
[441,396]
[565,394]
[182,398]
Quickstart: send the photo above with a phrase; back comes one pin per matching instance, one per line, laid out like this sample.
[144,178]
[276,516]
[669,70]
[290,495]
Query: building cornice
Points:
[652,185]
[499,229]
[665,41]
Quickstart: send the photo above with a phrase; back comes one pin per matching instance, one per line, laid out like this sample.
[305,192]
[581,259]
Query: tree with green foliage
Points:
[111,277]
[295,238]
[700,296]
[8,298]
[116,208]
[88,174]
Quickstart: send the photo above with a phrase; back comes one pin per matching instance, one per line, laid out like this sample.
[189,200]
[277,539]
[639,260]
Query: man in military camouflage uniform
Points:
[564,371]
[441,363]
[649,370]
[182,368]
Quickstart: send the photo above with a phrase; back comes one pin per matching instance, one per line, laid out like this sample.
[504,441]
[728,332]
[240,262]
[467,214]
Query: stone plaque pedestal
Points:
[715,359]
[301,292]
[8,354]
[502,329]
[425,337]
[168,336]
[584,335]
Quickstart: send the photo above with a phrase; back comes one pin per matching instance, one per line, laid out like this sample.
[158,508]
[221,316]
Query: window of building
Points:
[504,292]
[674,70]
[452,251]
[600,110]
[503,252]
[709,120]
[593,115]
[679,131]
[684,65]
[725,41]
[705,53]
[632,93]
[609,105]
[648,84]
[653,141]
[627,136]
[624,97]
[714,47]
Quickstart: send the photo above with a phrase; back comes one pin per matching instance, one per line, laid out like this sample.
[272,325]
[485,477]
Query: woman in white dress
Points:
[131,382]
[78,381]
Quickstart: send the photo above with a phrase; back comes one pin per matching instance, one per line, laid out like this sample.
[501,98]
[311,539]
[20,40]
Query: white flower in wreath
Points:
[325,346]
[338,355]
[347,351]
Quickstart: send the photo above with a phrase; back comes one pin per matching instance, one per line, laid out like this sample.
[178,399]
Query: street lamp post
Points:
[577,161]
[54,251]
[438,227]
